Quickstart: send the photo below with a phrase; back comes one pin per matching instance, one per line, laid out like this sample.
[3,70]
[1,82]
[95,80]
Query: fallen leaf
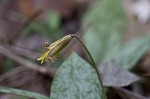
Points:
[114,75]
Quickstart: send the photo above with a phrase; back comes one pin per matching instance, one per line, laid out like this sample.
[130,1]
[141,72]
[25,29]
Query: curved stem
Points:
[93,64]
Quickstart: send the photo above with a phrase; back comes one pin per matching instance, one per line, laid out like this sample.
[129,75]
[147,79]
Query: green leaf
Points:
[104,37]
[106,21]
[76,79]
[132,51]
[53,19]
[22,93]
[52,25]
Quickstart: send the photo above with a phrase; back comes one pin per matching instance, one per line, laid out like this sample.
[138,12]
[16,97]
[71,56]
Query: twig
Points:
[44,70]
[19,81]
[4,18]
[131,95]
[24,52]
[27,22]
[9,8]
[12,72]
[16,72]
[122,95]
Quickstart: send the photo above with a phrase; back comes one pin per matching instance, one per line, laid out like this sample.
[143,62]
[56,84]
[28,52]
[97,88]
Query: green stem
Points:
[93,64]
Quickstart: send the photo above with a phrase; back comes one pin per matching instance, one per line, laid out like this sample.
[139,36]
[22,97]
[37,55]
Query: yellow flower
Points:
[54,49]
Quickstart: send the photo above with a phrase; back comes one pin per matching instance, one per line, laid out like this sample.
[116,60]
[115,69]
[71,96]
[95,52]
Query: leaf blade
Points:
[76,79]
[132,51]
[115,75]
[22,93]
[104,36]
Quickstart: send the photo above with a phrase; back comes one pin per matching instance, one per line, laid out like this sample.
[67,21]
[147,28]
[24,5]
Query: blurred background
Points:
[117,30]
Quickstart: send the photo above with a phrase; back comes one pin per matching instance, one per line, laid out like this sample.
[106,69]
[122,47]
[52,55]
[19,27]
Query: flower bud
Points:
[55,48]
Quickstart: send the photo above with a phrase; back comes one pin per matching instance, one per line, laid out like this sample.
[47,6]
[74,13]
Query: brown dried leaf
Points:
[114,75]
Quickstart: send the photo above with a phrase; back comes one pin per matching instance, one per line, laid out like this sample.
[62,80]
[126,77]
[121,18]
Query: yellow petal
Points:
[43,57]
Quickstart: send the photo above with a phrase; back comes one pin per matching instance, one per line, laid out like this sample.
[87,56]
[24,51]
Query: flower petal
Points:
[43,57]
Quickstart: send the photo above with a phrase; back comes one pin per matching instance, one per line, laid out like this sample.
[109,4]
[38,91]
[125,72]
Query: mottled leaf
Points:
[76,79]
[115,76]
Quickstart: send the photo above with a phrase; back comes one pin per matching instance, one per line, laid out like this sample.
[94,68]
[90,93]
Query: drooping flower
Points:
[53,50]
